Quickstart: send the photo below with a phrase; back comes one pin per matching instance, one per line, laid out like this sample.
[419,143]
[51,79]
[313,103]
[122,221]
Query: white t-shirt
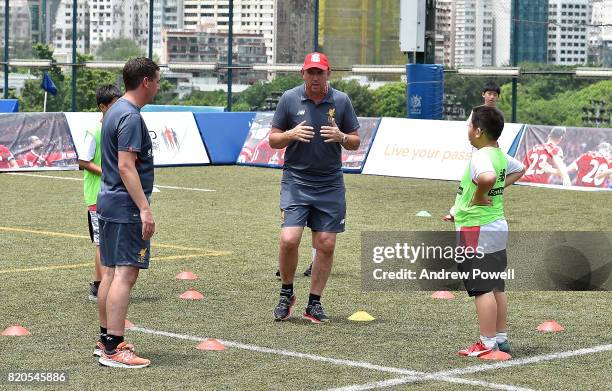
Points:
[89,148]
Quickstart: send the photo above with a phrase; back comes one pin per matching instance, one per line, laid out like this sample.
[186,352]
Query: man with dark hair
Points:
[90,160]
[126,219]
[314,122]
[482,227]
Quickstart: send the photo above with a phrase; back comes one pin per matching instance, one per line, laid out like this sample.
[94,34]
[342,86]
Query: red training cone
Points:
[15,331]
[550,326]
[128,324]
[186,275]
[192,294]
[210,344]
[443,295]
[496,355]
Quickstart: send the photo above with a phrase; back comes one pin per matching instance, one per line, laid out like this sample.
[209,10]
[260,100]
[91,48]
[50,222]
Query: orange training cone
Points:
[15,331]
[128,324]
[496,355]
[192,294]
[550,326]
[186,275]
[210,344]
[444,295]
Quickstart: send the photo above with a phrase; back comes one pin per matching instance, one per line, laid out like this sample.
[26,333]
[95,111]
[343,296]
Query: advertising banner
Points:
[36,142]
[176,139]
[425,148]
[257,151]
[566,157]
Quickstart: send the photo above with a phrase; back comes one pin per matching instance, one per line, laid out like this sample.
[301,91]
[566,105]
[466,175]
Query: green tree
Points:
[203,98]
[361,97]
[88,80]
[32,96]
[390,100]
[119,49]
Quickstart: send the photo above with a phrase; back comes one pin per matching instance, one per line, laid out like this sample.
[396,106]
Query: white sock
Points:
[501,336]
[488,342]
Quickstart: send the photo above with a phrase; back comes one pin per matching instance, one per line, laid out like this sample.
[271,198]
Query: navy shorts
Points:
[492,262]
[121,244]
[322,209]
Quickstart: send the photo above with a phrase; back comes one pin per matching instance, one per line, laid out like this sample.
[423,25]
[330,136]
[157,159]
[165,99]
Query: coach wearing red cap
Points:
[314,121]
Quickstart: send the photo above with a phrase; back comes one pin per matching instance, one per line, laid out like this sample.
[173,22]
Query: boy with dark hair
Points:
[491,93]
[90,161]
[481,225]
[126,219]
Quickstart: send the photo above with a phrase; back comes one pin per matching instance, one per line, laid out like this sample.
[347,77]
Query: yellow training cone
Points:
[361,316]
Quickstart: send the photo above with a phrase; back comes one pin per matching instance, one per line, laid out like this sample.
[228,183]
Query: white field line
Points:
[446,375]
[80,179]
[413,376]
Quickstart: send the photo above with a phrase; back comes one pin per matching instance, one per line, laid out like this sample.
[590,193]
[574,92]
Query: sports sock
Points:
[103,332]
[312,298]
[488,342]
[501,336]
[111,342]
[286,290]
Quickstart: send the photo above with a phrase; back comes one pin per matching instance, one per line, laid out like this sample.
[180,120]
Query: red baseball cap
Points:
[316,60]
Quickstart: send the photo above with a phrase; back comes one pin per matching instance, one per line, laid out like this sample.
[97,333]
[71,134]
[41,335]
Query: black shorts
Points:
[121,244]
[94,227]
[491,263]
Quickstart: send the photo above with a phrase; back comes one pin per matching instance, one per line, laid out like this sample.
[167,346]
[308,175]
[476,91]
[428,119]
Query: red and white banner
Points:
[566,157]
[36,142]
[425,148]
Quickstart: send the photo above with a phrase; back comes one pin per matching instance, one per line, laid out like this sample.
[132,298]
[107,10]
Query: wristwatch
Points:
[344,138]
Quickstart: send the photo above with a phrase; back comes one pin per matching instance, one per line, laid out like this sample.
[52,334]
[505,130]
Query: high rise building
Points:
[531,36]
[167,15]
[445,33]
[62,29]
[20,25]
[249,17]
[567,31]
[473,33]
[600,33]
[294,32]
[360,32]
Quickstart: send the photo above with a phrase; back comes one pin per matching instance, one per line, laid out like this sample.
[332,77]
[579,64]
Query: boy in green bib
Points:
[481,225]
[90,161]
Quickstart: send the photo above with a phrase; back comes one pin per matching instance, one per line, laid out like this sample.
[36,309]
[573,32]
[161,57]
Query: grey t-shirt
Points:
[123,129]
[317,161]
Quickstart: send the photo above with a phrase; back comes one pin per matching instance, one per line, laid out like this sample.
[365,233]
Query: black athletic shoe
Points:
[93,292]
[308,271]
[315,313]
[284,308]
[278,274]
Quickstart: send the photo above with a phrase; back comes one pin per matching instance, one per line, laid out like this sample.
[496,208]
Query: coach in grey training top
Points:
[314,122]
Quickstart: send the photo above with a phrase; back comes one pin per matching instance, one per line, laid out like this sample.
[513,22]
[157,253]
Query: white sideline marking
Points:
[81,179]
[444,375]
[260,349]
[413,376]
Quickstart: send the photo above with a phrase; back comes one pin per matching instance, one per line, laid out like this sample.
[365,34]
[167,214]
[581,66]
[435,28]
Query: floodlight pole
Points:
[230,38]
[6,48]
[151,29]
[515,21]
[74,56]
[316,26]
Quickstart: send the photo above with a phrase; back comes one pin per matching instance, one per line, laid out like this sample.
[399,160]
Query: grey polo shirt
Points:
[314,162]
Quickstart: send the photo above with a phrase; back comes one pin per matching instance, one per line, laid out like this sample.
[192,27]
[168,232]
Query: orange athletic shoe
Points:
[99,349]
[124,357]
